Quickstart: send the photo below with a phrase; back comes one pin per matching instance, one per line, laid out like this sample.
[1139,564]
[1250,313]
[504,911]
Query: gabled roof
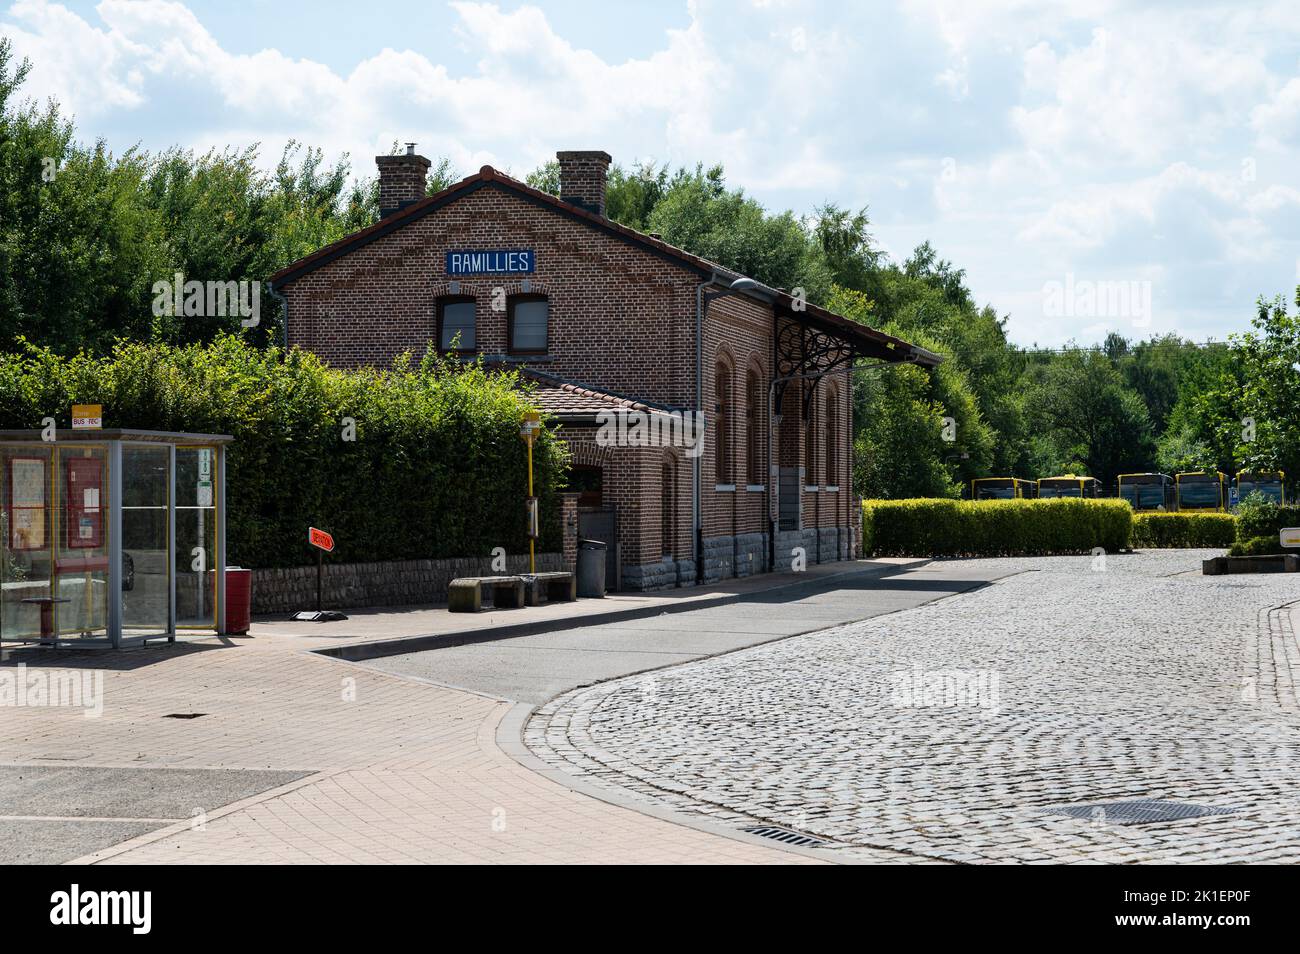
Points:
[868,341]
[571,402]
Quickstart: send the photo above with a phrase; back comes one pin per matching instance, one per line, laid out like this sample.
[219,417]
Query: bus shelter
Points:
[111,538]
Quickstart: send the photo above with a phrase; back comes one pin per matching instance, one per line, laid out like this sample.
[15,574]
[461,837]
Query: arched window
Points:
[810,445]
[721,424]
[527,324]
[754,425]
[667,513]
[832,438]
[456,324]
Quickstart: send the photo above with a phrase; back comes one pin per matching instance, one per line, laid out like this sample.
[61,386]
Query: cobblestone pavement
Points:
[945,732]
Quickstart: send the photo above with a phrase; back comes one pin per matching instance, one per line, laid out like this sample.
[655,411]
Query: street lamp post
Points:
[528,431]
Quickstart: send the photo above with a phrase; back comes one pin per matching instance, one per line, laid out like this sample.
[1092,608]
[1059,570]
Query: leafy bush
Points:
[1155,530]
[1264,519]
[1257,546]
[437,468]
[1259,522]
[934,527]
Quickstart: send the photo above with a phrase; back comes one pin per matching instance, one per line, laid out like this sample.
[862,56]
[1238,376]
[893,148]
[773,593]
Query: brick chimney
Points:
[582,178]
[401,180]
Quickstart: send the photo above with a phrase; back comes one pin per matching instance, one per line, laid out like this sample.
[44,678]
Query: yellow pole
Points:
[532,544]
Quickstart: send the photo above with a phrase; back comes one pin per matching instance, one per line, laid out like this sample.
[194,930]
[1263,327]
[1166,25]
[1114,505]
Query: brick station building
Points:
[614,326]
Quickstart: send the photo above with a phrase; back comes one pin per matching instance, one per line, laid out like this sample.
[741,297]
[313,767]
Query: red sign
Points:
[84,511]
[320,539]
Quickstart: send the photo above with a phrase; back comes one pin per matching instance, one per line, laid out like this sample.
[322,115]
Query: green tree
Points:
[1082,403]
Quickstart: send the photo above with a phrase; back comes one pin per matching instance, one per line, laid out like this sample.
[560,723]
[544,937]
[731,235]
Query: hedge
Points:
[437,468]
[1258,527]
[1156,530]
[936,528]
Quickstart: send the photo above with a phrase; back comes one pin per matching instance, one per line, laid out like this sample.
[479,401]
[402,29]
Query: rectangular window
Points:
[456,321]
[528,325]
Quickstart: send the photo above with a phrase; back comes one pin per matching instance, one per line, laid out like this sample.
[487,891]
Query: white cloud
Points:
[1096,138]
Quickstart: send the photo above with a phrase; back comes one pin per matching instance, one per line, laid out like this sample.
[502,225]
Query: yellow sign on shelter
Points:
[87,417]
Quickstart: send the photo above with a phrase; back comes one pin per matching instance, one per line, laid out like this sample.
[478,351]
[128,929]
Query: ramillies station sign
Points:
[519,261]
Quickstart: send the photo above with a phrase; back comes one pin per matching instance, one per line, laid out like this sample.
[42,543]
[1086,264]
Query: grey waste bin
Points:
[591,568]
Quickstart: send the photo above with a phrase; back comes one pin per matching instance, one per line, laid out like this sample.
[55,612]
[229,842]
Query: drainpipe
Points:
[697,516]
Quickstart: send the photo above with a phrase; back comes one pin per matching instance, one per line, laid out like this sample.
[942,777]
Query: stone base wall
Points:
[651,576]
[390,583]
[743,555]
[750,553]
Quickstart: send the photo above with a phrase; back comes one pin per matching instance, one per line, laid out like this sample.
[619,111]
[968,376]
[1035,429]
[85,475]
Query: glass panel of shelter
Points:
[79,542]
[196,537]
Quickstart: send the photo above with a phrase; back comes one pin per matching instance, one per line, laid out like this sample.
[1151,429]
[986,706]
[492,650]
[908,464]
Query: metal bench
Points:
[549,587]
[465,594]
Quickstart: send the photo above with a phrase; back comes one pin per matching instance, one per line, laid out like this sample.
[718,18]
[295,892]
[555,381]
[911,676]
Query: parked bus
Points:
[1069,485]
[1002,488]
[1203,491]
[1268,483]
[1146,492]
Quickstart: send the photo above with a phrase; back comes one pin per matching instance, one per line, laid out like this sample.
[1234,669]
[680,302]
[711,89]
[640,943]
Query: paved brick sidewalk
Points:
[404,771]
[946,731]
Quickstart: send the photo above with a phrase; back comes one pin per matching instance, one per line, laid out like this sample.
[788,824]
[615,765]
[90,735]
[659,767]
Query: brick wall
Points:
[401,181]
[620,317]
[388,583]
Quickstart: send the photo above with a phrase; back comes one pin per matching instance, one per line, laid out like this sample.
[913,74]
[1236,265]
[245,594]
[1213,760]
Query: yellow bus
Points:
[1202,491]
[1146,492]
[1270,483]
[1002,488]
[1069,485]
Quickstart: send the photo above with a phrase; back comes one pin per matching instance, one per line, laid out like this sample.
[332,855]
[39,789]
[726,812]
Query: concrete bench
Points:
[548,587]
[465,595]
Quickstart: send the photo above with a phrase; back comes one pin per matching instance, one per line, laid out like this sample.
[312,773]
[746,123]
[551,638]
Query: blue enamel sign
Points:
[518,261]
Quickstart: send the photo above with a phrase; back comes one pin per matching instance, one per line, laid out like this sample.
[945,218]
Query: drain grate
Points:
[1140,811]
[783,836]
[184,715]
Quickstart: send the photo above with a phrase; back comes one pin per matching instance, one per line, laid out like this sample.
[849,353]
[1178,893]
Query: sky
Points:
[1093,166]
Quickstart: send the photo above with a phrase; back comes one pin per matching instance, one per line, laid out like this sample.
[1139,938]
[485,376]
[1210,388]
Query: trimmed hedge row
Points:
[1157,530]
[965,528]
[436,469]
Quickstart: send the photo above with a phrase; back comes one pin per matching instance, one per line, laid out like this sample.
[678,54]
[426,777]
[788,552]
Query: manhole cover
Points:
[1138,812]
[184,715]
[783,836]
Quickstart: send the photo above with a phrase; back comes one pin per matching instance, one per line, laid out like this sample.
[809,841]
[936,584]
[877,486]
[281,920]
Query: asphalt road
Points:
[535,669]
[50,814]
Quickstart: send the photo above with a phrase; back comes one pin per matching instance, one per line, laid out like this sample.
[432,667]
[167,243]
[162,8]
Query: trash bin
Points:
[239,600]
[591,568]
